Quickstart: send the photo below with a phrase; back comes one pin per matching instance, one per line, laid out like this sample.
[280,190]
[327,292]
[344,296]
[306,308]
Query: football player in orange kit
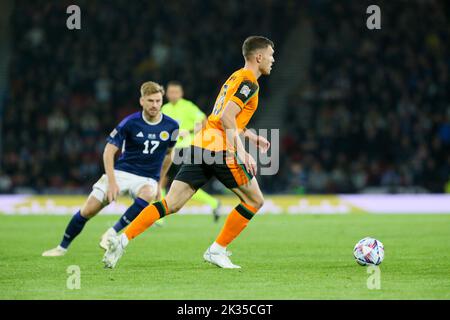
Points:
[218,140]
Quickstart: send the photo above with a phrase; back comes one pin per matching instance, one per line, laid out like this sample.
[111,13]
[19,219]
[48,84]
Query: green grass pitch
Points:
[283,257]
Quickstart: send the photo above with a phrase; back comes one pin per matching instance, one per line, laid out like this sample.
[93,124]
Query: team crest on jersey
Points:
[245,90]
[164,135]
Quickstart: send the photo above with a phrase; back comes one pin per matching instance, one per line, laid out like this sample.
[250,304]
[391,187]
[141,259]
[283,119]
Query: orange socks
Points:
[146,218]
[236,221]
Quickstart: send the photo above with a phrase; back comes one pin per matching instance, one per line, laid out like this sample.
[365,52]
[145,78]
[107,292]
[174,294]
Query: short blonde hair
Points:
[151,87]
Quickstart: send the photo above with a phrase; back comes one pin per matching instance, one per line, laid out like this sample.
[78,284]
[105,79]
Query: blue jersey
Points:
[144,144]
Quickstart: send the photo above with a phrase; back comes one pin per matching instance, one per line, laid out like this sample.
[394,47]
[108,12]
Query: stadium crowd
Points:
[374,112]
[68,89]
[376,109]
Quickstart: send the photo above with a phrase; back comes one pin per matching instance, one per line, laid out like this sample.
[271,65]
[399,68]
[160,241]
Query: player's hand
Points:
[184,133]
[250,163]
[263,144]
[113,192]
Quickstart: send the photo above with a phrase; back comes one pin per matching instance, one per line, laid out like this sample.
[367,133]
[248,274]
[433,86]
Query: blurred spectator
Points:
[374,112]
[69,89]
[379,97]
[5,183]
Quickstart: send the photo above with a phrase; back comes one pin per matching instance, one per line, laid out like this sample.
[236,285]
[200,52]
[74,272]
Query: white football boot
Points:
[219,258]
[160,223]
[115,250]
[104,240]
[55,252]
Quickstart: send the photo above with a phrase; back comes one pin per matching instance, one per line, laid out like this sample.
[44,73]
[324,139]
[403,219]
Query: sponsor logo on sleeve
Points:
[113,133]
[245,90]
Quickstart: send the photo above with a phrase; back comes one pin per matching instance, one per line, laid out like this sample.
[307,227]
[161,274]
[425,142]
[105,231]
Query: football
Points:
[369,251]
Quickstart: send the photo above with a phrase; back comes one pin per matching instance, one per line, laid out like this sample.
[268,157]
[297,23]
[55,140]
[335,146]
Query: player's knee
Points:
[147,194]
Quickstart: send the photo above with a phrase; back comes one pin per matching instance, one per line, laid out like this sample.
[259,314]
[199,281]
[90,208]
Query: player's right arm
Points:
[228,120]
[108,161]
[115,142]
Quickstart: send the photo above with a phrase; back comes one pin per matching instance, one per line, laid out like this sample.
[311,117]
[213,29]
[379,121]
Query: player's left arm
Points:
[262,143]
[243,93]
[167,162]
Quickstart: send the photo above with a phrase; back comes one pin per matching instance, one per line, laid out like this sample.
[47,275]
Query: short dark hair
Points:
[174,83]
[253,43]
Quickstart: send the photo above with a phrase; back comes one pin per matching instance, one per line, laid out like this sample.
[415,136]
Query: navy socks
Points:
[131,213]
[73,229]
[77,222]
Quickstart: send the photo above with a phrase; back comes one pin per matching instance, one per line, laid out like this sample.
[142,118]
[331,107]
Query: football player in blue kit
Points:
[146,139]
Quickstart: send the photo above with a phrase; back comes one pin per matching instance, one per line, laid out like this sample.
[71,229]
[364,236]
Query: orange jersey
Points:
[241,88]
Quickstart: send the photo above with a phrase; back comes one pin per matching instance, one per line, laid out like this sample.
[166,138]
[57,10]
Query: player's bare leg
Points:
[145,195]
[163,182]
[179,193]
[251,201]
[90,208]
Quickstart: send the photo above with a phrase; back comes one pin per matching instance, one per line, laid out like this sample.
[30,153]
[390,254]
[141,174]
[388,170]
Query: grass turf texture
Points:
[283,257]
